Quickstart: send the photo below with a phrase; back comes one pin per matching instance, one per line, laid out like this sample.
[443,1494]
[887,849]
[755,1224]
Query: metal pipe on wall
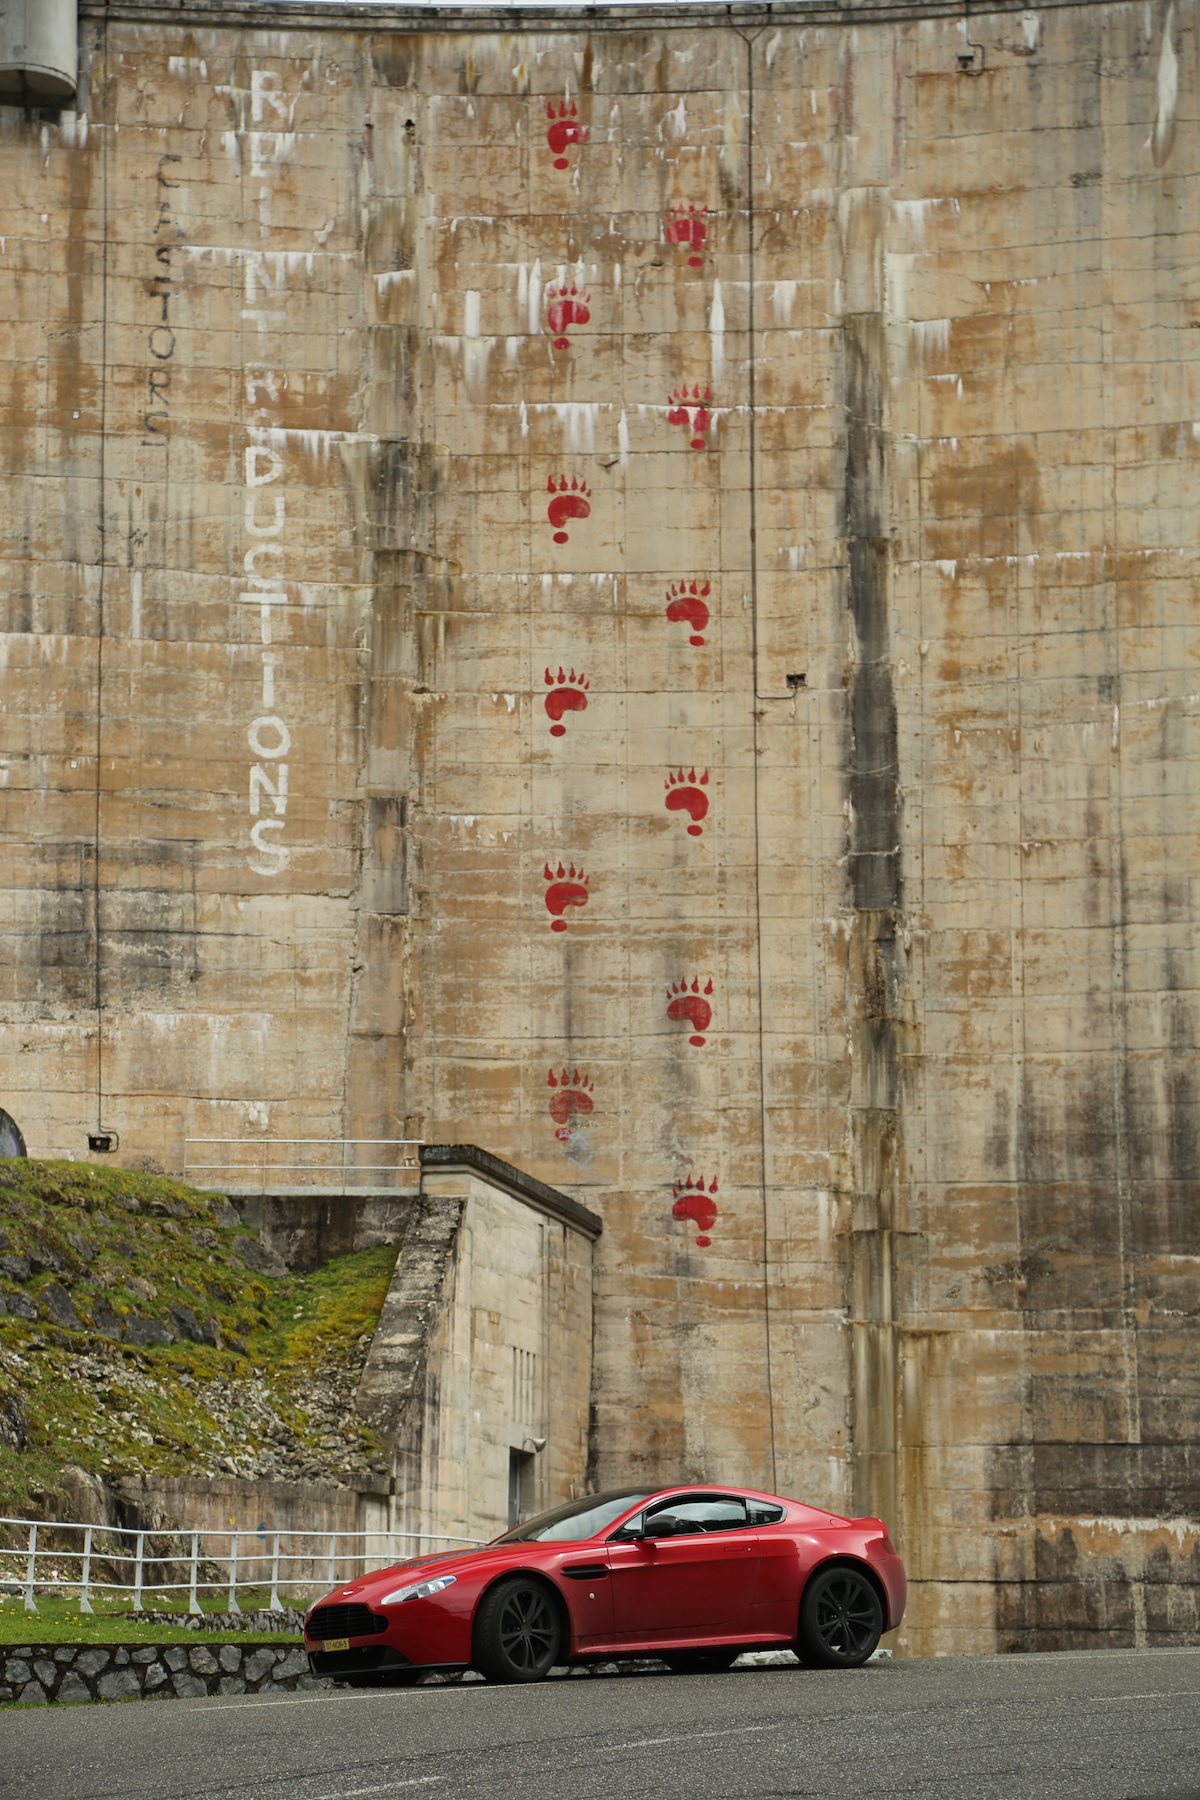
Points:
[39,50]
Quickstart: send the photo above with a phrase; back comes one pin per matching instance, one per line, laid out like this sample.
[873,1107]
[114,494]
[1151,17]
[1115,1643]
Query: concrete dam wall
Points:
[622,587]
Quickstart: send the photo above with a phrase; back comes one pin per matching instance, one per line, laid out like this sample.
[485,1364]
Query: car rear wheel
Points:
[518,1633]
[701,1662]
[841,1620]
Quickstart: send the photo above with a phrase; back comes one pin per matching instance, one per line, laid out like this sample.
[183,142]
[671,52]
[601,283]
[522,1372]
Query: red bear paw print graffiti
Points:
[571,1099]
[564,887]
[687,604]
[692,412]
[693,1202]
[571,501]
[566,306]
[564,130]
[685,793]
[568,693]
[692,1006]
[689,225]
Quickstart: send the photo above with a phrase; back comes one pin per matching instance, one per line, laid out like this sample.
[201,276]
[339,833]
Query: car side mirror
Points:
[662,1526]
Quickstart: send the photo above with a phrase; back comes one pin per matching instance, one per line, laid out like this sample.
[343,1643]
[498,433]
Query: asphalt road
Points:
[1100,1725]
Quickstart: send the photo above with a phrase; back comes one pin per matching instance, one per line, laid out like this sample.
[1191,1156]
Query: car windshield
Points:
[576,1520]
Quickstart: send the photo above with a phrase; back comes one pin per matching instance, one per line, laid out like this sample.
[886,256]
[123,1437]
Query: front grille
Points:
[366,1661]
[344,1621]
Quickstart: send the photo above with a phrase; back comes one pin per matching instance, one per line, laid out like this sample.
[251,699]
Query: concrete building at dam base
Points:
[620,585]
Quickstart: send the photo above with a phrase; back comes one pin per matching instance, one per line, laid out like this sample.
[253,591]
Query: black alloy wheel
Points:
[841,1620]
[518,1633]
[700,1662]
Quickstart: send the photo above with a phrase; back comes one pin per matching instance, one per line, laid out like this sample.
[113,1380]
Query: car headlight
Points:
[419,1590]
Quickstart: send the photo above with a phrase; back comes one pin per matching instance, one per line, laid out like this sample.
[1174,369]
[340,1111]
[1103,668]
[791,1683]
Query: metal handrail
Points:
[339,1169]
[195,1549]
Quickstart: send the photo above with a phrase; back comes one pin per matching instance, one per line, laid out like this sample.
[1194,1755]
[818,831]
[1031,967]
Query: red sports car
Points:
[695,1575]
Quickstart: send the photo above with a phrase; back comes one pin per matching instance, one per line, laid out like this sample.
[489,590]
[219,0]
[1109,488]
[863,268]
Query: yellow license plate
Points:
[337,1643]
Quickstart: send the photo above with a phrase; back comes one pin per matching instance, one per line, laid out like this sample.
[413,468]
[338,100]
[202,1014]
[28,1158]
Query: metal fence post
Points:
[30,1603]
[233,1599]
[85,1605]
[332,1577]
[275,1606]
[194,1605]
[140,1557]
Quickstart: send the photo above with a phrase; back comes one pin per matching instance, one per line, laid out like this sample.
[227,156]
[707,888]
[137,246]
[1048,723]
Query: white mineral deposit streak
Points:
[1162,137]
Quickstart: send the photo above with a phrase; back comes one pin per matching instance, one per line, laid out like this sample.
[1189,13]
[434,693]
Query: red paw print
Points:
[569,694]
[691,410]
[566,306]
[689,225]
[686,604]
[564,130]
[572,1099]
[692,1202]
[684,1002]
[571,502]
[686,794]
[566,887]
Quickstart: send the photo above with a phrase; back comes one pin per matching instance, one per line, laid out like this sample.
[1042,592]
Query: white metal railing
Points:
[258,1164]
[157,1559]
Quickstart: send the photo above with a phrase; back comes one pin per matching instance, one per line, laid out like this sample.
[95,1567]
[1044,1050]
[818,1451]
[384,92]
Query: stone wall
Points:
[32,1674]
[701,505]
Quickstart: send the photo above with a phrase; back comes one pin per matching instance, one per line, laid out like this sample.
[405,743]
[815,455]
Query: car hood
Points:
[381,1581]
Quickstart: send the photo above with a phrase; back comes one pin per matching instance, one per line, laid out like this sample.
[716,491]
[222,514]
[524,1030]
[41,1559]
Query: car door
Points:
[698,1581]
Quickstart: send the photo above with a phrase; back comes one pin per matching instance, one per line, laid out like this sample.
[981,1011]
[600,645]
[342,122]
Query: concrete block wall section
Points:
[33,1674]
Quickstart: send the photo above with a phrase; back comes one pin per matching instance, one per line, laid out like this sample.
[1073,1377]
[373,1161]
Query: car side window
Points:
[715,1512]
[762,1514]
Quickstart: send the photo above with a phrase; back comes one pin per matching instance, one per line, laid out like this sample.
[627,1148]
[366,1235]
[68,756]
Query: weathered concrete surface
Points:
[484,1348]
[301,395]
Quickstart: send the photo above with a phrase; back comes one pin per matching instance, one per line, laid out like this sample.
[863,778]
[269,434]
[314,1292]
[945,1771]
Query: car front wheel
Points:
[518,1636]
[841,1620]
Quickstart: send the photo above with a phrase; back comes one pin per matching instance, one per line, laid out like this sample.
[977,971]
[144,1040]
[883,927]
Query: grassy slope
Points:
[59,1621]
[280,1409]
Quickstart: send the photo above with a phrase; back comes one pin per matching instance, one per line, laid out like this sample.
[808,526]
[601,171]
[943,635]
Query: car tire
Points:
[701,1662]
[841,1619]
[518,1632]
